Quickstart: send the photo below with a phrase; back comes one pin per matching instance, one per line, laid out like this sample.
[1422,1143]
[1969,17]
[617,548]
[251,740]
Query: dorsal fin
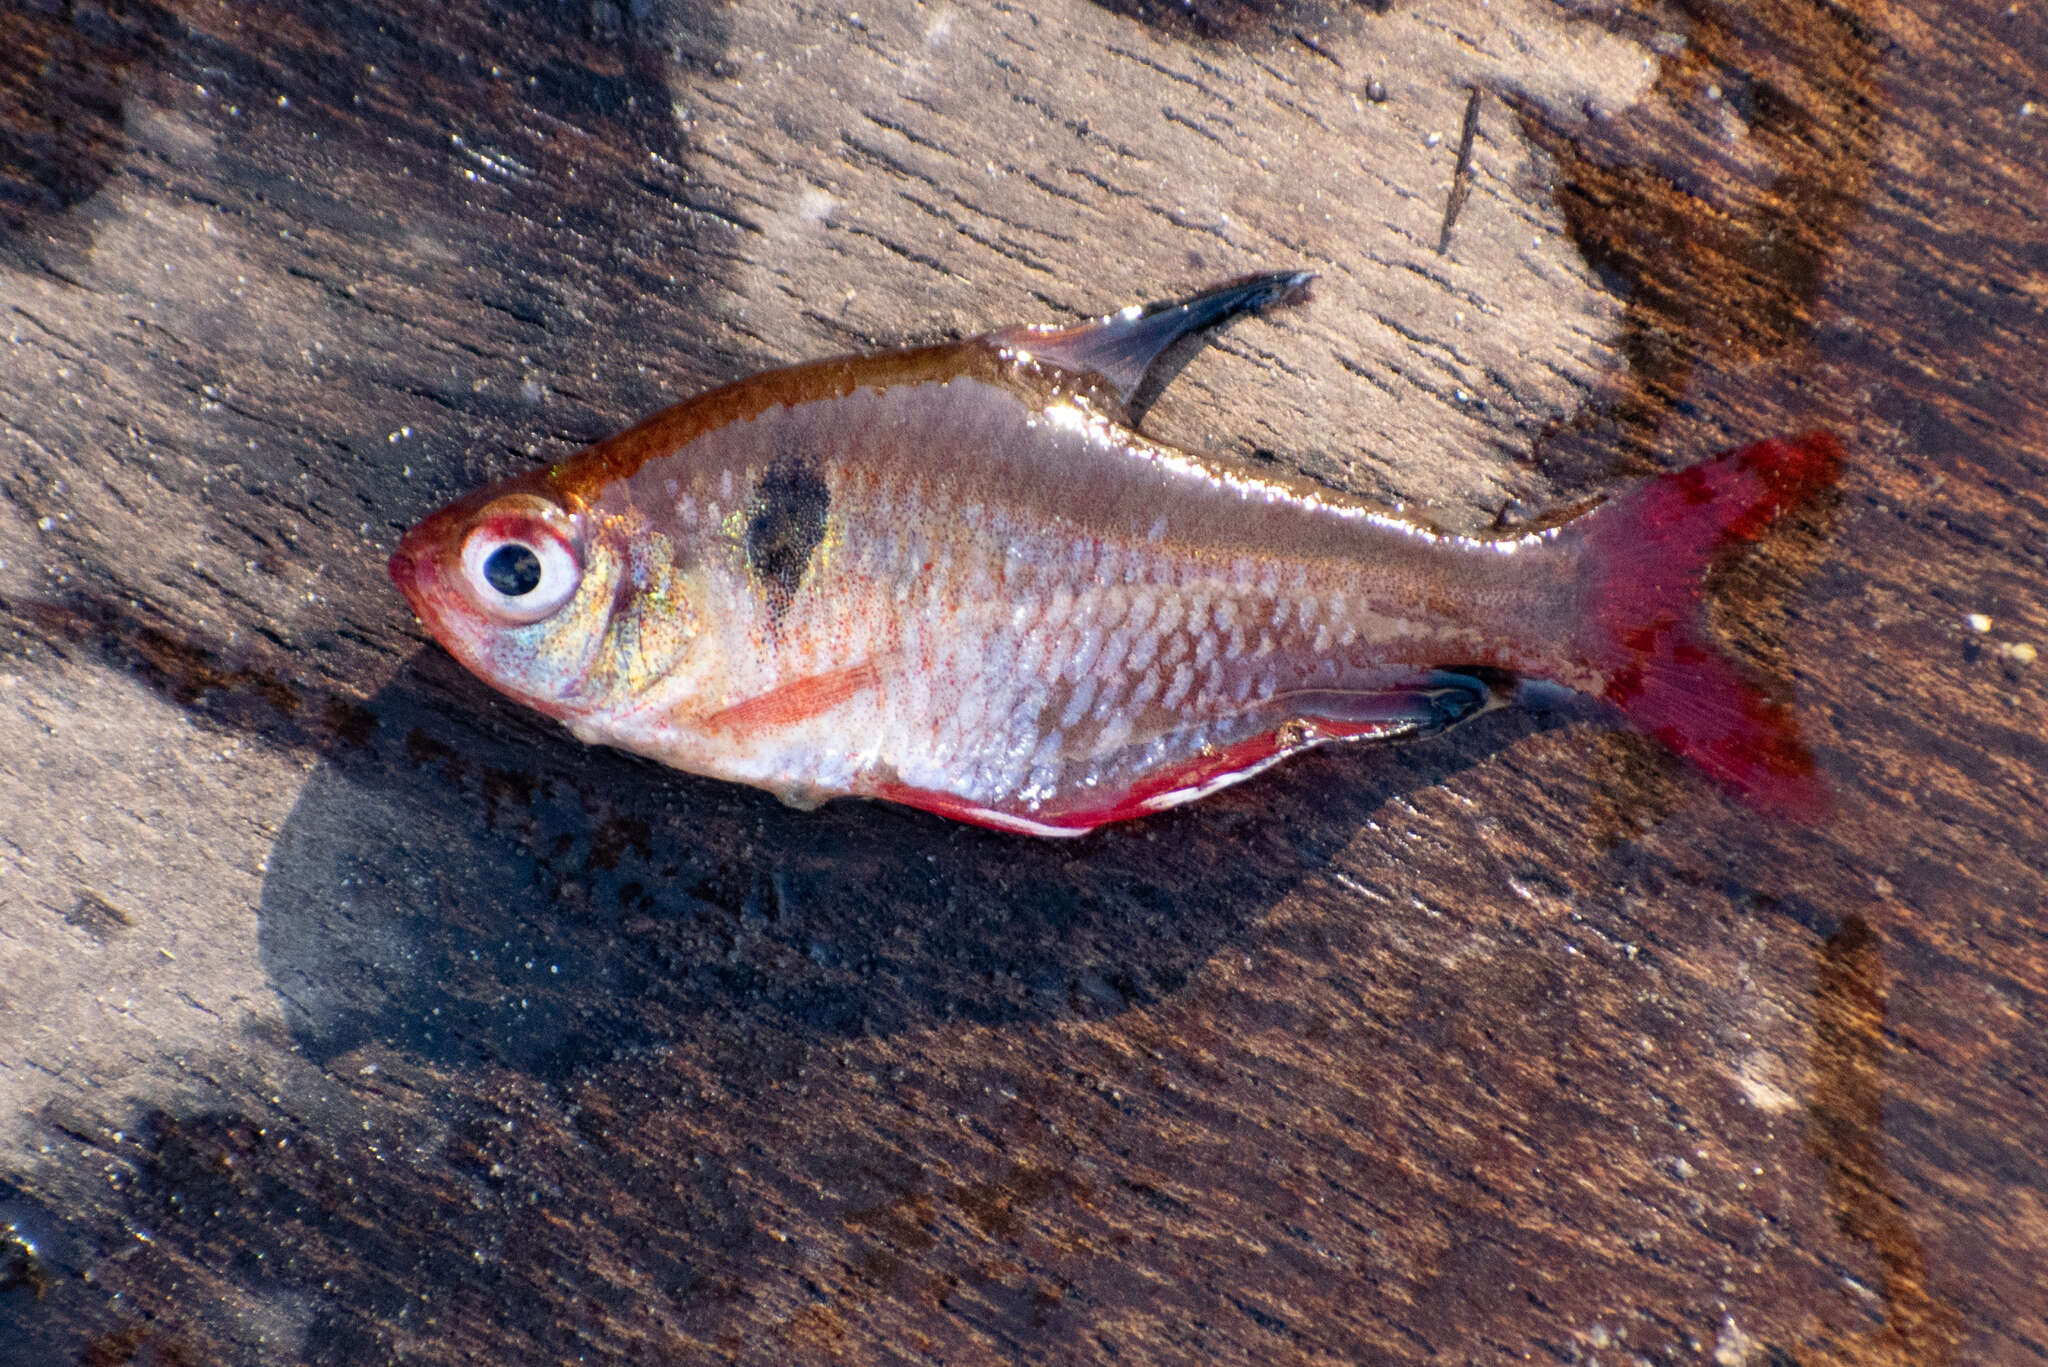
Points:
[1125,347]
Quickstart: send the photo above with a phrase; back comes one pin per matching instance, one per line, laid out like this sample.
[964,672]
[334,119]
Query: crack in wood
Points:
[1461,177]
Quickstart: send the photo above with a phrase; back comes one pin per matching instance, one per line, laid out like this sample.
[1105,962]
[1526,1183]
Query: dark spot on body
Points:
[786,524]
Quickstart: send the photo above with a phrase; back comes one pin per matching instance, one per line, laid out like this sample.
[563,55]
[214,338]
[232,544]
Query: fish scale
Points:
[958,577]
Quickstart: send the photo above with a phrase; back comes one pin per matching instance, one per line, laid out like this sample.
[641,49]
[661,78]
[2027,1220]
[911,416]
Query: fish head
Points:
[567,607]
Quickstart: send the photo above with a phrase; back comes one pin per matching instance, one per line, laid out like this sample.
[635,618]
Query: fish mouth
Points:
[410,571]
[404,569]
[419,568]
[419,572]
[420,575]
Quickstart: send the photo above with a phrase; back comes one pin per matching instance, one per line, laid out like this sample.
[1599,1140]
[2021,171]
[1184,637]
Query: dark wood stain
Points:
[1845,1112]
[1716,270]
[64,73]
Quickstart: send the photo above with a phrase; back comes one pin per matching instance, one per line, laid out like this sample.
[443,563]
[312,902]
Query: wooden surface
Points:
[348,1015]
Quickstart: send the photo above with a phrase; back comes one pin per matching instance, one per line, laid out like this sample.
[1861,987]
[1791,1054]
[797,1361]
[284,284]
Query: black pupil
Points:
[513,569]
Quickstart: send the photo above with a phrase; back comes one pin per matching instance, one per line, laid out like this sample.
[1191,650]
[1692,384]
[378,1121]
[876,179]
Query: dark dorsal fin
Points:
[1125,347]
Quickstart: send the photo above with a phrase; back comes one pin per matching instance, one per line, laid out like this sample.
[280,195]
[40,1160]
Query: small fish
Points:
[958,577]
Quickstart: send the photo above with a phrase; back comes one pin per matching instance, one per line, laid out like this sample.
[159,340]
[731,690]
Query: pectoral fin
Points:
[795,701]
[1125,347]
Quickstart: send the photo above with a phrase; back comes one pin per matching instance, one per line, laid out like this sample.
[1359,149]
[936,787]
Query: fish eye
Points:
[513,570]
[519,567]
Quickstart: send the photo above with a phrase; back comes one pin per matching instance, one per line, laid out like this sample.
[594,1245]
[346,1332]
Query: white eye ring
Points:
[519,569]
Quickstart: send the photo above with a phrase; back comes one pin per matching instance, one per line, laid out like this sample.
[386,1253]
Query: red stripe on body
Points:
[795,701]
[1139,799]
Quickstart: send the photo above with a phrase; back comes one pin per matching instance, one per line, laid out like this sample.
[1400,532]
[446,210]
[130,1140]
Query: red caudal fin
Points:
[1644,556]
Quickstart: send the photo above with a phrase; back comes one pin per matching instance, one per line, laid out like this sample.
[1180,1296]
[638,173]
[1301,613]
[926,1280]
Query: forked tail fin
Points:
[1642,635]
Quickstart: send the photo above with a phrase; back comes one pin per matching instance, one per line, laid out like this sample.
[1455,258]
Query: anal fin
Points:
[1413,708]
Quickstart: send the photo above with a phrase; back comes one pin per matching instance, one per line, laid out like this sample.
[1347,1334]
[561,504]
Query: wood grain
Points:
[349,1015]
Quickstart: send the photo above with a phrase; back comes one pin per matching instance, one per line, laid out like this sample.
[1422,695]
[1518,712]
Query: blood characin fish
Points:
[958,577]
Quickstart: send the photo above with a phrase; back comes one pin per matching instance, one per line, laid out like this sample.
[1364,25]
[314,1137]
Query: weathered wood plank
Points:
[347,1014]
